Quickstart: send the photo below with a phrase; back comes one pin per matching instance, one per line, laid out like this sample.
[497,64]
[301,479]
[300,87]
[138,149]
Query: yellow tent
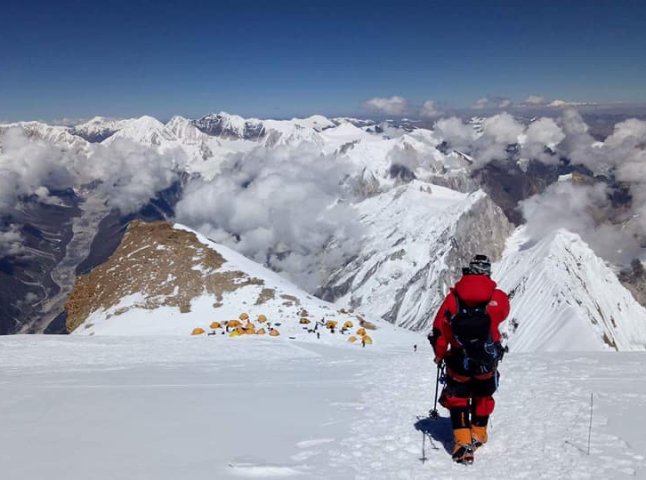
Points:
[261,331]
[304,321]
[236,333]
[352,339]
[331,324]
[198,331]
[234,324]
[244,316]
[215,325]
[361,332]
[262,318]
[348,324]
[367,340]
[274,333]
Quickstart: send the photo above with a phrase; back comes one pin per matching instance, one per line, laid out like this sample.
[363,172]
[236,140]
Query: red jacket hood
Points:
[475,289]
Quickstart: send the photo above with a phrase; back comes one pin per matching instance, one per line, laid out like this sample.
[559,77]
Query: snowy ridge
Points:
[564,297]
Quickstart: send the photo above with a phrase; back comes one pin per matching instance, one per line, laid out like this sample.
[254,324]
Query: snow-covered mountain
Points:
[418,236]
[54,134]
[98,129]
[231,126]
[564,297]
[166,279]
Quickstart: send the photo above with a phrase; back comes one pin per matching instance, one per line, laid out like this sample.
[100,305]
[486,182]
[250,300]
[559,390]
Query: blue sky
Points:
[77,59]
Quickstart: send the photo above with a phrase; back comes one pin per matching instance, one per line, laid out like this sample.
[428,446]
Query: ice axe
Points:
[433,413]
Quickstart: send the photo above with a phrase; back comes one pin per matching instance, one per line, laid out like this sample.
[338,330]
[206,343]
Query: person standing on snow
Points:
[465,336]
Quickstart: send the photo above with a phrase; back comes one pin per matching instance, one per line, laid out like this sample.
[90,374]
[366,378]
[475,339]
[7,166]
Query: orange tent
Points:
[250,329]
[234,324]
[215,325]
[304,321]
[261,331]
[262,318]
[367,340]
[274,333]
[361,332]
[244,316]
[348,324]
[198,331]
[352,339]
[331,324]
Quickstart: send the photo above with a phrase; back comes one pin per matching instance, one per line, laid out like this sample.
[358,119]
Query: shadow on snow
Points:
[436,430]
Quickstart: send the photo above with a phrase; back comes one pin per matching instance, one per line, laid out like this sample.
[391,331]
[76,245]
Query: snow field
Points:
[168,407]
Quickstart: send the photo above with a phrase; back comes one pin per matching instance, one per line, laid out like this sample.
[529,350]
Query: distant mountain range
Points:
[419,205]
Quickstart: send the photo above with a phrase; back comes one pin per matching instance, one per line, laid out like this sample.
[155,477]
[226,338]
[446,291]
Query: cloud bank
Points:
[279,207]
[127,174]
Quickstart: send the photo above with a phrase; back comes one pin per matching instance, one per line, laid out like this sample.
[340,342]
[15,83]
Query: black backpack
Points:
[471,327]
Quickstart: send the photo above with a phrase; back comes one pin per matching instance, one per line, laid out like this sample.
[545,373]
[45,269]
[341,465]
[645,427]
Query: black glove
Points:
[500,351]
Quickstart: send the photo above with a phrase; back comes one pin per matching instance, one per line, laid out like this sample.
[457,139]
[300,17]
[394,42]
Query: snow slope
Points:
[168,407]
[566,298]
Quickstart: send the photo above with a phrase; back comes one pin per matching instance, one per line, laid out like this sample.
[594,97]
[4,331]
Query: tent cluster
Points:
[240,326]
[243,325]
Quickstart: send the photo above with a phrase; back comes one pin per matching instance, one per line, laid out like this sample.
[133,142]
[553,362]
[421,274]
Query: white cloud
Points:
[540,134]
[11,242]
[429,109]
[128,174]
[491,103]
[566,104]
[456,133]
[581,209]
[613,232]
[391,106]
[535,100]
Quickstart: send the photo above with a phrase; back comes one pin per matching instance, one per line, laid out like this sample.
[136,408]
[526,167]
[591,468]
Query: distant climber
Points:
[414,348]
[465,337]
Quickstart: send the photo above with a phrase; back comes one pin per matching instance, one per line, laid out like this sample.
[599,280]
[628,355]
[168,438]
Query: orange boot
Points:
[462,449]
[478,435]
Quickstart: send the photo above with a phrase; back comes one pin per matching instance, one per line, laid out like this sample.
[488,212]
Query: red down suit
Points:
[472,290]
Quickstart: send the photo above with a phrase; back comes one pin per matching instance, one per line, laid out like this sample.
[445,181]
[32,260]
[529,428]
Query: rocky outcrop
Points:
[153,261]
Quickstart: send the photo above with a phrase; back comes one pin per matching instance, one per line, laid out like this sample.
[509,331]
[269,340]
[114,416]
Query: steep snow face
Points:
[186,131]
[168,280]
[564,297]
[418,236]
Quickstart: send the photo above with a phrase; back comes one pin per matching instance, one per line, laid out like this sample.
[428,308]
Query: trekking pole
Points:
[590,426]
[433,413]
